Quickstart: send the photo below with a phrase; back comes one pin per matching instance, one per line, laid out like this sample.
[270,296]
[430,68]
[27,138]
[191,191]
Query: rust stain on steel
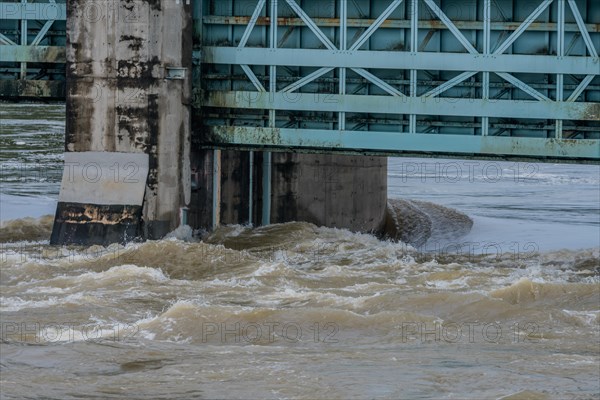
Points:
[551,147]
[41,54]
[436,24]
[592,112]
[395,23]
[216,99]
[245,135]
[259,136]
[570,147]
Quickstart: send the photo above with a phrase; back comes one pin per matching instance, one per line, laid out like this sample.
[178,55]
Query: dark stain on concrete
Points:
[92,224]
[135,43]
[155,4]
[152,141]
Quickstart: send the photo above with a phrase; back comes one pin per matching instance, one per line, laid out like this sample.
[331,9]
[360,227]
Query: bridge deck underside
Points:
[481,78]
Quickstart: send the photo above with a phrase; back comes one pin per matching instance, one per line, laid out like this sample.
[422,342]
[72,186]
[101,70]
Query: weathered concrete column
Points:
[348,192]
[128,91]
[336,191]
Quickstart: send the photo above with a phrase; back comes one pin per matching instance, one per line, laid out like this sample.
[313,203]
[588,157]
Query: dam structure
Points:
[209,112]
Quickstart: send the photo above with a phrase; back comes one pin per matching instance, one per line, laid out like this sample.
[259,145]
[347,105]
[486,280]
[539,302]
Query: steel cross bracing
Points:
[32,48]
[486,77]
[492,77]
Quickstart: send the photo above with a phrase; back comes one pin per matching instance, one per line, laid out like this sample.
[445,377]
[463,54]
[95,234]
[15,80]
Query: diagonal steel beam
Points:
[528,21]
[253,78]
[361,14]
[579,90]
[307,79]
[311,24]
[244,40]
[375,25]
[252,23]
[583,29]
[383,85]
[455,31]
[523,86]
[42,33]
[462,39]
[450,84]
[7,41]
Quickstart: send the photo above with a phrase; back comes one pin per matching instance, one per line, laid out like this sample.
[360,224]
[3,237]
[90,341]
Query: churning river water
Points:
[511,310]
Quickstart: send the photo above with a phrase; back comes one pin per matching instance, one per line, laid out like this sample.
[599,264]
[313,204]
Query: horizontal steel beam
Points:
[359,80]
[41,54]
[32,88]
[533,125]
[394,23]
[390,142]
[53,71]
[403,60]
[54,32]
[402,105]
[57,11]
[34,11]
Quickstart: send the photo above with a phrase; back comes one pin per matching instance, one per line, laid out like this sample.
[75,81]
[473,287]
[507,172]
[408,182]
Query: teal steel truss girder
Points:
[482,78]
[32,48]
[361,75]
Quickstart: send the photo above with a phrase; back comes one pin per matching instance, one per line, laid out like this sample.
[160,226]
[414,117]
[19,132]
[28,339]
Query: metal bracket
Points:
[175,73]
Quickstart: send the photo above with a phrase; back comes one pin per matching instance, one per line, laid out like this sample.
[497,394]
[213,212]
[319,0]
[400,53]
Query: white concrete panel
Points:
[104,178]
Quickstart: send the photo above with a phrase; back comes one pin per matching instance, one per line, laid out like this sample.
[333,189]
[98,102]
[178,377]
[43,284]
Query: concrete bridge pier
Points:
[230,187]
[131,170]
[337,191]
[128,120]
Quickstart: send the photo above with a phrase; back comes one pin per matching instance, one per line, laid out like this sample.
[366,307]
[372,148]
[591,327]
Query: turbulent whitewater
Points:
[493,292]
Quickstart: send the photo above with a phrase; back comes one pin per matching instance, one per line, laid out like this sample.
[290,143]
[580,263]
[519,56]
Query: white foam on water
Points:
[236,282]
[37,290]
[590,318]
[183,233]
[269,269]
[458,283]
[124,272]
[12,304]
[290,294]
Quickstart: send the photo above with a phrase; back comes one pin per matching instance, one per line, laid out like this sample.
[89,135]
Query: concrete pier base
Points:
[348,192]
[129,67]
[336,191]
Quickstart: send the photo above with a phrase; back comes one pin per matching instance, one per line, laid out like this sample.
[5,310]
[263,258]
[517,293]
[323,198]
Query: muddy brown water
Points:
[284,311]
